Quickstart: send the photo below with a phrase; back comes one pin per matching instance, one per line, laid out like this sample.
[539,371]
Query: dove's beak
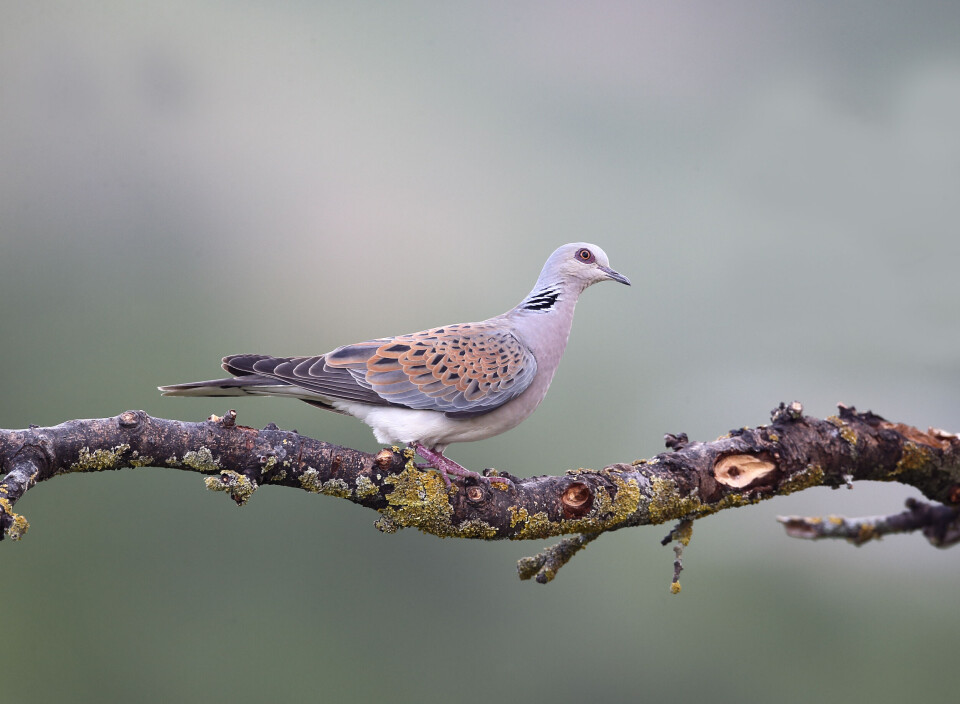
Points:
[614,275]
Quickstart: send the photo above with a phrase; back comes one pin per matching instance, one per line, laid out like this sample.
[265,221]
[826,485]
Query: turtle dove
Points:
[455,383]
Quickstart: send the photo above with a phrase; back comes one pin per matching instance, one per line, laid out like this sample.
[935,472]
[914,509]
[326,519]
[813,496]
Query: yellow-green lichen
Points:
[310,480]
[419,500]
[835,520]
[915,457]
[336,487]
[385,525]
[774,437]
[499,486]
[846,432]
[628,495]
[517,514]
[270,463]
[365,487]
[98,460]
[865,533]
[136,460]
[675,587]
[732,501]
[666,504]
[19,524]
[527,567]
[534,527]
[201,460]
[812,475]
[475,528]
[18,528]
[548,573]
[606,513]
[237,485]
[279,476]
[683,533]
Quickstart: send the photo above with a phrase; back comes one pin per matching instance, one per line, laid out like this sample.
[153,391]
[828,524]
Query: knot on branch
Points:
[129,420]
[228,420]
[676,441]
[786,413]
[940,524]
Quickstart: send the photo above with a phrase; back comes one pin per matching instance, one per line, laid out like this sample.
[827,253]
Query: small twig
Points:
[682,533]
[544,565]
[676,441]
[940,525]
[677,568]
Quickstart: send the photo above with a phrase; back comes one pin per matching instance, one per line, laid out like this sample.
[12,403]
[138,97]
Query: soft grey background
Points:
[183,180]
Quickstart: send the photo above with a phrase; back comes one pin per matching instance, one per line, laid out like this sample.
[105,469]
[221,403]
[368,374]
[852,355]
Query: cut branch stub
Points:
[742,471]
[577,500]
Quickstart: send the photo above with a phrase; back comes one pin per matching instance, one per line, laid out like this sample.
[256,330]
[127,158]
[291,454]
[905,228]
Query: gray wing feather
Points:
[308,373]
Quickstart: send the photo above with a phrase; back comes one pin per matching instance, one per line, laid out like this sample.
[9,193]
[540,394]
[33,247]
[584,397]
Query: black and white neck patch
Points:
[543,300]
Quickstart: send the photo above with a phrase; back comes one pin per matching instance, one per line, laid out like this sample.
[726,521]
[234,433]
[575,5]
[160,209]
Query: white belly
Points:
[395,425]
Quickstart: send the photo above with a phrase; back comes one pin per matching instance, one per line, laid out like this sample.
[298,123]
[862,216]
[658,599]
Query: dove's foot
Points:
[447,466]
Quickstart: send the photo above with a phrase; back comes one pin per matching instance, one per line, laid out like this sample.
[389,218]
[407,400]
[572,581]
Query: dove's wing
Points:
[462,370]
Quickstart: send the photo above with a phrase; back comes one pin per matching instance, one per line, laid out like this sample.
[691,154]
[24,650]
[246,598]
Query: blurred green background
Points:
[184,180]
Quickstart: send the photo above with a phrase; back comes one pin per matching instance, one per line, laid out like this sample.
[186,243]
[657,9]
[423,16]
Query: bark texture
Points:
[695,479]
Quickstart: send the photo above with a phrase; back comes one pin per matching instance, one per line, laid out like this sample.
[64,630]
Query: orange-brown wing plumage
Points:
[463,370]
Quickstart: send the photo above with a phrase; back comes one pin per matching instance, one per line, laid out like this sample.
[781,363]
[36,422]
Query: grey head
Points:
[570,270]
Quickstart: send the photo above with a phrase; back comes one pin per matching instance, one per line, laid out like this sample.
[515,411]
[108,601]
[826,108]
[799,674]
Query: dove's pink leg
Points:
[447,466]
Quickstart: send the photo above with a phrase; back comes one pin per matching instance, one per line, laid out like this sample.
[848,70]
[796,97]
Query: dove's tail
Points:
[233,386]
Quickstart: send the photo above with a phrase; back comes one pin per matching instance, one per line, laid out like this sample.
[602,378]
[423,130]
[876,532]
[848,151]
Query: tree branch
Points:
[748,465]
[940,525]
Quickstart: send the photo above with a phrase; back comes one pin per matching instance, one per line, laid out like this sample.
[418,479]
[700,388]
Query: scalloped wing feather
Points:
[462,370]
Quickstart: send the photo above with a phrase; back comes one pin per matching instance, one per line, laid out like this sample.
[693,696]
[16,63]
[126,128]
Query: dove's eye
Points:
[585,255]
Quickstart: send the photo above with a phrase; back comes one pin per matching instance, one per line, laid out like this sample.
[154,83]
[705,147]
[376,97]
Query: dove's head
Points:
[582,264]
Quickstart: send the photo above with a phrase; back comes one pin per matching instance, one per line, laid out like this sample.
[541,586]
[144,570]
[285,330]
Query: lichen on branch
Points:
[694,480]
